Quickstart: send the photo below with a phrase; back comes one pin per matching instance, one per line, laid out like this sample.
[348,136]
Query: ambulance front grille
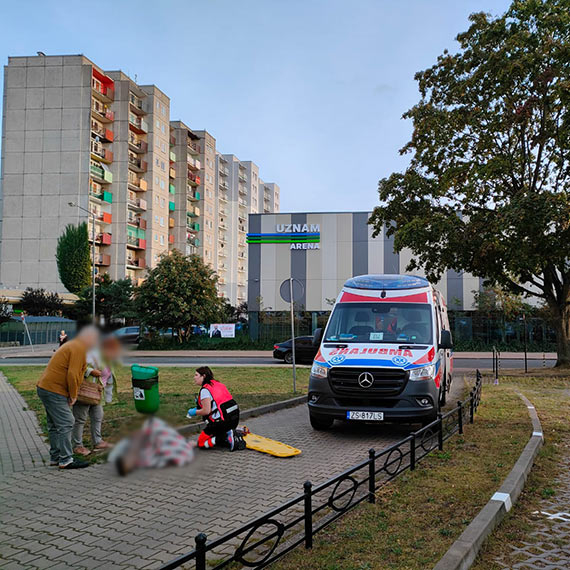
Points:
[386,381]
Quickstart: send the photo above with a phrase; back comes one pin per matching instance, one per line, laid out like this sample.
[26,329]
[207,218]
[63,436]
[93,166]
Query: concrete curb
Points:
[251,413]
[464,550]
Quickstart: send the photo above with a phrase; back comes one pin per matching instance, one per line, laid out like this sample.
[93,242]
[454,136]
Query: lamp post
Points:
[93,218]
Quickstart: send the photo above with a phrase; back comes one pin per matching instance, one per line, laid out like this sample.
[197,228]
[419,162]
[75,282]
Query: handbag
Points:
[89,393]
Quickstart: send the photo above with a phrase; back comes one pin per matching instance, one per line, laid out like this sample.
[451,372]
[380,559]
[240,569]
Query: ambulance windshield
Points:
[382,322]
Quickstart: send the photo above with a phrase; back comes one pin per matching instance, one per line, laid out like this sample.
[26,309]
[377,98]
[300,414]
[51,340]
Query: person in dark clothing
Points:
[63,338]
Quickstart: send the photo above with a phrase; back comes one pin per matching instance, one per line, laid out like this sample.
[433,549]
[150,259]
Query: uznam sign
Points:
[298,236]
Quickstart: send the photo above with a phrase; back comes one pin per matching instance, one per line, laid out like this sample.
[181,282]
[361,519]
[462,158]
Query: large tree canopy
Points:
[179,292]
[487,188]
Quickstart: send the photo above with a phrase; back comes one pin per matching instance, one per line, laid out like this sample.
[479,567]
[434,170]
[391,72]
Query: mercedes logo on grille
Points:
[365,380]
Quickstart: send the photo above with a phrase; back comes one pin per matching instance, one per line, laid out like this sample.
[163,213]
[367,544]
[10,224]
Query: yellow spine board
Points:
[270,446]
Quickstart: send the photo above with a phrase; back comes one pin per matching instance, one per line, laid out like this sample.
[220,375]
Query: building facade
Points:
[240,193]
[75,133]
[322,251]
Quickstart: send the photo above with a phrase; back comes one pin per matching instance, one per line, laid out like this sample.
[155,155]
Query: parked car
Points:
[305,350]
[128,334]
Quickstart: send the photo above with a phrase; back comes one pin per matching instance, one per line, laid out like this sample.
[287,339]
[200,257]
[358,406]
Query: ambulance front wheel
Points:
[320,423]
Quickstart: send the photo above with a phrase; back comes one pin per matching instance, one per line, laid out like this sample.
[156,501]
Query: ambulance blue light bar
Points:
[386,282]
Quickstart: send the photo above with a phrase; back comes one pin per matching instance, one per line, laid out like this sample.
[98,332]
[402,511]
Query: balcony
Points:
[103,238]
[100,174]
[106,135]
[222,253]
[137,145]
[222,171]
[137,184]
[193,148]
[170,239]
[136,262]
[193,195]
[137,125]
[105,93]
[222,226]
[103,217]
[137,204]
[100,153]
[223,185]
[136,104]
[193,163]
[101,196]
[172,189]
[103,259]
[242,190]
[223,197]
[136,221]
[136,243]
[193,179]
[170,222]
[193,212]
[242,177]
[172,156]
[171,206]
[242,203]
[102,112]
[137,164]
[192,226]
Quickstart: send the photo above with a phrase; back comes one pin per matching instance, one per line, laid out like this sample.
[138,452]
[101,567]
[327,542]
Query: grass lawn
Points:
[250,387]
[419,515]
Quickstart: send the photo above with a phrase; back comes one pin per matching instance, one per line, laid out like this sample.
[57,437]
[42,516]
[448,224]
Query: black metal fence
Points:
[267,538]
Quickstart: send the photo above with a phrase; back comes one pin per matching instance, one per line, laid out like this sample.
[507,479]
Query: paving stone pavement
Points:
[22,446]
[547,545]
[92,518]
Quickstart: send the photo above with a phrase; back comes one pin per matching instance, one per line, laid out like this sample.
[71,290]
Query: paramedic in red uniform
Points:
[220,410]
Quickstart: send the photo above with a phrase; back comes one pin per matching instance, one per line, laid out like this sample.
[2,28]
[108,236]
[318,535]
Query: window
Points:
[162,185]
[157,161]
[156,199]
[162,202]
[161,221]
[162,165]
[156,180]
[163,129]
[163,146]
[156,236]
[161,240]
[158,105]
[163,110]
[157,142]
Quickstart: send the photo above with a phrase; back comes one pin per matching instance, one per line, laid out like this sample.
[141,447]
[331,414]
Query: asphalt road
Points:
[459,364]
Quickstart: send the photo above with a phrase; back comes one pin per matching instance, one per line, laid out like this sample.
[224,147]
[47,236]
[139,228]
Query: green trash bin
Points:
[145,388]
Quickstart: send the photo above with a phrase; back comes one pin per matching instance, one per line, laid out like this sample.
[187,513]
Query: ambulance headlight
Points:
[424,373]
[319,371]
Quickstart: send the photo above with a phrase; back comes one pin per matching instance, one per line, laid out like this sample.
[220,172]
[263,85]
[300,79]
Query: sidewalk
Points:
[547,543]
[46,350]
[22,447]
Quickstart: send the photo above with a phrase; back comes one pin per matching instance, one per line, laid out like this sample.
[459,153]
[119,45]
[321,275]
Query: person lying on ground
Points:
[216,405]
[155,445]
[99,371]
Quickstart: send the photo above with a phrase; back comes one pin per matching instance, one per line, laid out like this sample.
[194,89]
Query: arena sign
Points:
[298,236]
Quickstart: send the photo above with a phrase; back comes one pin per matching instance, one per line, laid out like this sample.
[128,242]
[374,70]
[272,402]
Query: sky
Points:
[312,91]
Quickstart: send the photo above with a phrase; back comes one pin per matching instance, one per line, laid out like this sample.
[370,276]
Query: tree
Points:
[487,187]
[5,310]
[39,302]
[114,300]
[179,292]
[73,258]
[494,300]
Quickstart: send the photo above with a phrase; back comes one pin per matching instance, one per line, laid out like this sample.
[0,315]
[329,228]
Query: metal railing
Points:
[296,522]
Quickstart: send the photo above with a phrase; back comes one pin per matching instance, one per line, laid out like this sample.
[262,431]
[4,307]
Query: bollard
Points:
[460,406]
[494,360]
[371,476]
[497,368]
[201,551]
[413,451]
[544,360]
[307,486]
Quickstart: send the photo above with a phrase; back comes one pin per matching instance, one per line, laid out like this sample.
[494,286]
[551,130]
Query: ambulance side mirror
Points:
[445,340]
[317,337]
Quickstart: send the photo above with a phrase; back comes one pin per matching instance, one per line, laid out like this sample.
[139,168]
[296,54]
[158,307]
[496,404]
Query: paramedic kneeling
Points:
[216,405]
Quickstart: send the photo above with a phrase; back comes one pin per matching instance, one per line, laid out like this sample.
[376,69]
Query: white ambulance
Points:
[385,354]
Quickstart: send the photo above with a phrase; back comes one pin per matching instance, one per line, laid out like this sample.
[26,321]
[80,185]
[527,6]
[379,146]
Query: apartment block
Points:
[240,192]
[74,133]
